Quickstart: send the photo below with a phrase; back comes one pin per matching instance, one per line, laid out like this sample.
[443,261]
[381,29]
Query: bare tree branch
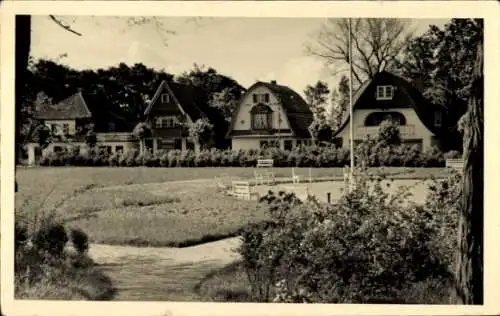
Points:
[64,26]
[377,43]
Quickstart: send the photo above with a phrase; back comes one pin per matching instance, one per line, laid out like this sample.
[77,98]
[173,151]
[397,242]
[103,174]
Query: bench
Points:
[457,164]
[265,163]
[264,177]
[242,190]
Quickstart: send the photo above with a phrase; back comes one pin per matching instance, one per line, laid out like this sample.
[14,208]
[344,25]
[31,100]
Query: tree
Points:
[469,270]
[316,98]
[376,44]
[142,131]
[201,133]
[430,62]
[225,101]
[340,103]
[220,93]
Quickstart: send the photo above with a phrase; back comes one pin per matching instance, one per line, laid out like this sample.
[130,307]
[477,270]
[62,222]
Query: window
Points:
[298,143]
[119,149]
[57,149]
[263,98]
[375,118]
[438,120]
[262,117]
[54,128]
[165,98]
[288,144]
[263,144]
[65,129]
[166,122]
[385,92]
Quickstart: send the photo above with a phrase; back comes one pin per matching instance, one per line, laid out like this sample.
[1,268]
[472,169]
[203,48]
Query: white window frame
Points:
[385,92]
[165,98]
[438,119]
[166,122]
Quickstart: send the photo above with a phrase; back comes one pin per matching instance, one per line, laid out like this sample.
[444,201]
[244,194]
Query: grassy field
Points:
[49,185]
[139,206]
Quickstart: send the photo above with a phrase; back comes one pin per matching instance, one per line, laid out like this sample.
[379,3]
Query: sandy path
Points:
[166,274]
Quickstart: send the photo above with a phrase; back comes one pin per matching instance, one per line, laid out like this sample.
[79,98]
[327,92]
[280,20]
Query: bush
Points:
[80,240]
[369,247]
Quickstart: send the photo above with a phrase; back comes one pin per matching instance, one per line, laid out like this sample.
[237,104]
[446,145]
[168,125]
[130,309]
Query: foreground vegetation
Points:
[51,263]
[368,247]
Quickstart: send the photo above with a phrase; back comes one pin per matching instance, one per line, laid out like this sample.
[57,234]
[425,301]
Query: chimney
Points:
[273,82]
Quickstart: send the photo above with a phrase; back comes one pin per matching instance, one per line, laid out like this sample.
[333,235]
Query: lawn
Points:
[184,215]
[140,206]
[35,184]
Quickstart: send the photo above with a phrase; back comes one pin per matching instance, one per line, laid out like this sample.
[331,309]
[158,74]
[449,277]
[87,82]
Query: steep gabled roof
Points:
[297,110]
[190,99]
[423,108]
[73,107]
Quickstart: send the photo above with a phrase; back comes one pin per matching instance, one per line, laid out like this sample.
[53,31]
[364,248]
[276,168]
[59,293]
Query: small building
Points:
[270,114]
[387,96]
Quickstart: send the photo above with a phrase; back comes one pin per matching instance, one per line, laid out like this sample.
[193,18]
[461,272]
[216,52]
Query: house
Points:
[172,107]
[387,96]
[68,121]
[270,114]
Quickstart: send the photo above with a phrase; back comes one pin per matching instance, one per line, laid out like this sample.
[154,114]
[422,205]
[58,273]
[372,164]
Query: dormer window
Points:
[262,117]
[165,98]
[385,92]
[438,119]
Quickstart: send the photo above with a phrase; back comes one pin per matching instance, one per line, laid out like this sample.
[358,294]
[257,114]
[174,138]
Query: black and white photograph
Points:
[247,159]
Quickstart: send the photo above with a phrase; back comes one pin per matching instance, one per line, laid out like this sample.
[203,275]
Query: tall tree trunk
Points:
[22,51]
[469,270]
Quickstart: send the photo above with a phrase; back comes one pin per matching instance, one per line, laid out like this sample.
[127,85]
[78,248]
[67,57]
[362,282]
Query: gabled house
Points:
[69,121]
[270,114]
[387,96]
[65,118]
[172,107]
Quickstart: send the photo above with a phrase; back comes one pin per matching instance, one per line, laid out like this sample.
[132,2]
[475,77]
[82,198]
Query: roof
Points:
[297,110]
[73,107]
[418,102]
[191,99]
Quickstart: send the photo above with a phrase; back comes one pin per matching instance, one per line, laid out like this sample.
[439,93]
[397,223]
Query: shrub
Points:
[80,240]
[369,247]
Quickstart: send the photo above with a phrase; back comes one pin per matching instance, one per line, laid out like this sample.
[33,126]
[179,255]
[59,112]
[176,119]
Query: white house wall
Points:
[414,128]
[243,119]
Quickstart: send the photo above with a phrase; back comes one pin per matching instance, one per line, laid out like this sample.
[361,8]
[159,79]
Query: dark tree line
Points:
[119,94]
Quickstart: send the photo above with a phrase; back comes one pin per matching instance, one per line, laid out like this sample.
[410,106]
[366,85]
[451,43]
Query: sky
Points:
[246,49]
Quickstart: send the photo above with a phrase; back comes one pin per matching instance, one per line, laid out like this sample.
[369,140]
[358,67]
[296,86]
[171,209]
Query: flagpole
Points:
[351,123]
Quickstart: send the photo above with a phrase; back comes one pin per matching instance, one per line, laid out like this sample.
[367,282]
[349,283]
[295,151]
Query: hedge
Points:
[374,155]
